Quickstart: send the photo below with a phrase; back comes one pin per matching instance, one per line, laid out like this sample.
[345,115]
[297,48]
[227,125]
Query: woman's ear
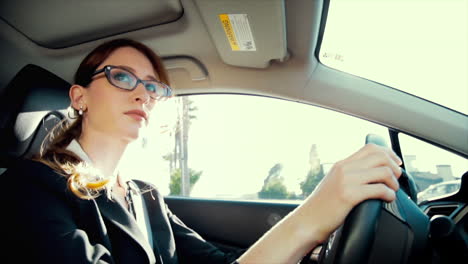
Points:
[77,95]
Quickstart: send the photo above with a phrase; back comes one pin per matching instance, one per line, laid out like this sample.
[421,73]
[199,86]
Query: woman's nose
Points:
[140,93]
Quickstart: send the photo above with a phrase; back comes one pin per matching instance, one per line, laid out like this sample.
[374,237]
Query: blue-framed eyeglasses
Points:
[124,79]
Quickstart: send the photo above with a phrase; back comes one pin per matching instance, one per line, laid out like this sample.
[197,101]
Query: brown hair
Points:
[67,163]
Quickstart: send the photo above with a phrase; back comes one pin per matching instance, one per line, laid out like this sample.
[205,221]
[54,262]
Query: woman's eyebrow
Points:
[128,68]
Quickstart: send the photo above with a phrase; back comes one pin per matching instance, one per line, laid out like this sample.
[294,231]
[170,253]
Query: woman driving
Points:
[75,207]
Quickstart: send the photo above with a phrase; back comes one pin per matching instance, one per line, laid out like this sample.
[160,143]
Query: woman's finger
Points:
[370,149]
[393,156]
[374,160]
[376,191]
[383,175]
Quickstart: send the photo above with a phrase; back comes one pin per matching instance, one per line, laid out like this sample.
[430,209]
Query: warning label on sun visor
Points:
[238,33]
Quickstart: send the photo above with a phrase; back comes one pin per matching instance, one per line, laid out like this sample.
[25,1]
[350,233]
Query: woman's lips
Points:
[138,115]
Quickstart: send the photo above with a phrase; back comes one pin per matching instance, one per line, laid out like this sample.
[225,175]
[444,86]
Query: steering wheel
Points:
[379,232]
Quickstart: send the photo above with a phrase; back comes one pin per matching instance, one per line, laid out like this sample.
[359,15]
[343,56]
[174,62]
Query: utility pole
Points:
[183,140]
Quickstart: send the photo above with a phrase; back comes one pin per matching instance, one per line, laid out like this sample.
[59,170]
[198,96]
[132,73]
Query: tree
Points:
[311,181]
[273,186]
[175,186]
[274,190]
[273,173]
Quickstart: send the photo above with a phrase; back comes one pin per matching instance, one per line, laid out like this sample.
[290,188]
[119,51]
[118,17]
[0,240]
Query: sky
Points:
[418,46]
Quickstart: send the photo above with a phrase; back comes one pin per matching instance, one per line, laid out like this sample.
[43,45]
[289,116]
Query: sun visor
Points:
[246,33]
[59,24]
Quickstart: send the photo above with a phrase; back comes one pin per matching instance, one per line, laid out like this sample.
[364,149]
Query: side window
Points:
[436,171]
[245,147]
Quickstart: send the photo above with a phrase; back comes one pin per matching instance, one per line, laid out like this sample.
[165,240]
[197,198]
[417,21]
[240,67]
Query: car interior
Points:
[277,55]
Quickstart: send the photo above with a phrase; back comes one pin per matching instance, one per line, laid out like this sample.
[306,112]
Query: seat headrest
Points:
[30,105]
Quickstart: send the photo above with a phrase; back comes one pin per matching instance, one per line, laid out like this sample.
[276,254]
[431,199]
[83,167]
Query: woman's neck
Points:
[105,152]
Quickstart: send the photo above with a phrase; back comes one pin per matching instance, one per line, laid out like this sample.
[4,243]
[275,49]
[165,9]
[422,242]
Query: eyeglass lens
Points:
[126,80]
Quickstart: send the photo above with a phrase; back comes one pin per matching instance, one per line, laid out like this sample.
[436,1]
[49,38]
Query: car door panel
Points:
[229,223]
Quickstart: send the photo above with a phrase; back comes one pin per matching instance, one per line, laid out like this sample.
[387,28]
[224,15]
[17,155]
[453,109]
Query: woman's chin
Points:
[131,132]
[131,136]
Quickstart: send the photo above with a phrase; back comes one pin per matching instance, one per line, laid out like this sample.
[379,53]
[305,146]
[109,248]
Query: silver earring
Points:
[80,112]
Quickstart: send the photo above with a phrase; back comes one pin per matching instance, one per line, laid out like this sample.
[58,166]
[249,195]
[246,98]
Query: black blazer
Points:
[43,222]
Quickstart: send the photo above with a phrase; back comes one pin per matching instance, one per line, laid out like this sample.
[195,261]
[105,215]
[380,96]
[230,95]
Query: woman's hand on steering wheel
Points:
[370,173]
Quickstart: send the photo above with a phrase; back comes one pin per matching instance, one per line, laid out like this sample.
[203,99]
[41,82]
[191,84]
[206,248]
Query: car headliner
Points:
[195,66]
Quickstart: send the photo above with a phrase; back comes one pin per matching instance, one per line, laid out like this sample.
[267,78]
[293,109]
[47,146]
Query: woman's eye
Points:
[151,87]
[122,77]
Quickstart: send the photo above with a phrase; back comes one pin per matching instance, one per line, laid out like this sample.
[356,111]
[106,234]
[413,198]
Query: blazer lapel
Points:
[120,217]
[163,237]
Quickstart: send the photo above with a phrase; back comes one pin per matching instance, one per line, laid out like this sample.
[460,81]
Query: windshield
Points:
[419,47]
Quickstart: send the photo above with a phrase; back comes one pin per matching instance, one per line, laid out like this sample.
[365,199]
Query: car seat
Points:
[30,106]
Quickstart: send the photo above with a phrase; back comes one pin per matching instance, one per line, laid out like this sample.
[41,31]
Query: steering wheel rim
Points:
[353,240]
